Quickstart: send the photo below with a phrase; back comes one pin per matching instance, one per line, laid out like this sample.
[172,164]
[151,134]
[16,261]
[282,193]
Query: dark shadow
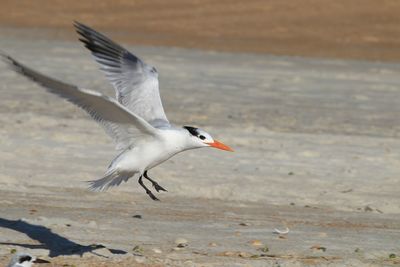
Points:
[56,244]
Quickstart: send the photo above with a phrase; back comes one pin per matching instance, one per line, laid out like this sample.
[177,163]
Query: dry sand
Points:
[361,29]
[317,150]
[317,141]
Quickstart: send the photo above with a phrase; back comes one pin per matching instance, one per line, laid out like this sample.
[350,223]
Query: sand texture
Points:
[317,151]
[360,29]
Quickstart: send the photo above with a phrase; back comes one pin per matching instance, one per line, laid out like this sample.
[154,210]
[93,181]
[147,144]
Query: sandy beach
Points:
[356,29]
[316,151]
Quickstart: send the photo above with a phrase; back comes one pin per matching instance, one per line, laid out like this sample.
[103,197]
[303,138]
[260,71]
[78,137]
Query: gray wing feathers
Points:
[119,123]
[135,82]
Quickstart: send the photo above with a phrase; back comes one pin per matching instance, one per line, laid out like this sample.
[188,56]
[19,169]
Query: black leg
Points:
[154,183]
[153,197]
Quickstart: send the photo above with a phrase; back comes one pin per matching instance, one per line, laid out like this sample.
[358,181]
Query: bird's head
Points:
[25,260]
[200,138]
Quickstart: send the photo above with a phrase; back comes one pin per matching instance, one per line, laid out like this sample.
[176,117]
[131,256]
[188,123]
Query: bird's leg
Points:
[153,197]
[154,183]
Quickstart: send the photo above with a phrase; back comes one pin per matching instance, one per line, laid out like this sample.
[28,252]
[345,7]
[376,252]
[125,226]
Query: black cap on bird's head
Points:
[192,130]
[206,138]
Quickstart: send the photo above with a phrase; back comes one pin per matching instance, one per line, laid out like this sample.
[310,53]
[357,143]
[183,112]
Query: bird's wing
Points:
[121,124]
[135,82]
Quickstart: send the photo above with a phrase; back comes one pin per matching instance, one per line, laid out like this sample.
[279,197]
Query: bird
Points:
[24,260]
[134,119]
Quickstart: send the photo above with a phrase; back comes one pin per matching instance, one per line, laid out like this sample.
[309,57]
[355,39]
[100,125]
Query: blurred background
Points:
[357,29]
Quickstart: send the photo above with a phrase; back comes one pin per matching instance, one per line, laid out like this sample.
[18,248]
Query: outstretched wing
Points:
[122,125]
[135,82]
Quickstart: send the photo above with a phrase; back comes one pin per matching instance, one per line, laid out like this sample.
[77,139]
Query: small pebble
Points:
[244,224]
[227,253]
[181,242]
[157,250]
[318,247]
[212,244]
[244,254]
[256,243]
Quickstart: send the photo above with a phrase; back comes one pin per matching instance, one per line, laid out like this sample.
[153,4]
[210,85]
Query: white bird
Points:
[24,260]
[135,121]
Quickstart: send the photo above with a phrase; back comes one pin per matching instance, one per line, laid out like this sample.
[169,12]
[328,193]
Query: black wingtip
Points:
[78,25]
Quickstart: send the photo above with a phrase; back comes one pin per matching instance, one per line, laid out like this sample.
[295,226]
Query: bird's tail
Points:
[111,178]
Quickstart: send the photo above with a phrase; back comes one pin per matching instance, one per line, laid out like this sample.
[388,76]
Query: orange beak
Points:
[220,145]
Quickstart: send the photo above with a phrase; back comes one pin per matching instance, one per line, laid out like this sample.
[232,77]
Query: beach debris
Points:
[318,247]
[212,244]
[137,216]
[367,208]
[241,254]
[227,253]
[280,232]
[138,250]
[157,250]
[244,254]
[32,211]
[244,224]
[347,191]
[13,251]
[290,173]
[378,210]
[256,243]
[181,242]
[392,256]
[264,249]
[357,250]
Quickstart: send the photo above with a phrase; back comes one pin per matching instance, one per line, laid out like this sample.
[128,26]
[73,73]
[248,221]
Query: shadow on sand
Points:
[56,244]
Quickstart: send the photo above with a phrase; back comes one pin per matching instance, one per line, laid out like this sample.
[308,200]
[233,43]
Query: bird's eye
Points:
[202,137]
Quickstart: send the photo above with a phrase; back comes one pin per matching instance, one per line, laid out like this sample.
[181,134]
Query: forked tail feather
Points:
[111,178]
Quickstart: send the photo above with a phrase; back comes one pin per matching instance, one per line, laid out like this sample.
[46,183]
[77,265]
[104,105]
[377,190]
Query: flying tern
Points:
[135,120]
